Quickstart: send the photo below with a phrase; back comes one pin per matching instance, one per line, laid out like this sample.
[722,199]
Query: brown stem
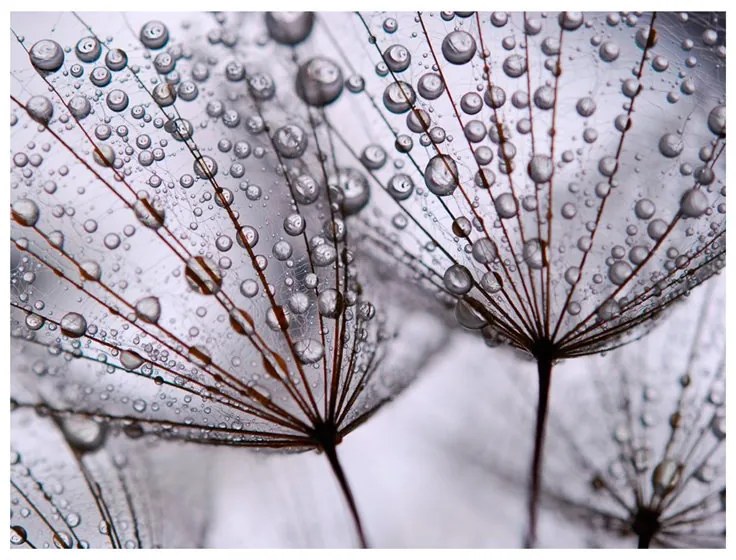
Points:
[331,452]
[544,368]
[644,540]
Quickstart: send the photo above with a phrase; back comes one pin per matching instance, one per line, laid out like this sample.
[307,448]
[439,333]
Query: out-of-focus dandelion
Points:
[640,458]
[67,492]
[568,182]
[179,237]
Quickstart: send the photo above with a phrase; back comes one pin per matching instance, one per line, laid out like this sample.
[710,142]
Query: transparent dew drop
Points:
[80,107]
[289,28]
[609,51]
[544,97]
[294,224]
[373,157]
[319,82]
[261,86]
[717,120]
[330,303]
[34,322]
[540,169]
[441,175]
[461,226]
[203,276]
[73,325]
[148,309]
[46,55]
[308,350]
[533,254]
[241,322]
[399,97]
[25,212]
[471,103]
[306,189]
[506,206]
[249,288]
[609,310]
[150,212]
[164,94]
[83,434]
[154,35]
[199,355]
[299,303]
[205,167]
[180,129]
[468,317]
[665,477]
[693,203]
[514,66]
[397,58]
[430,86]
[718,427]
[247,237]
[644,209]
[131,360]
[619,272]
[104,155]
[585,106]
[116,59]
[485,251]
[290,141]
[90,270]
[117,100]
[570,21]
[494,97]
[491,282]
[355,190]
[282,250]
[18,535]
[458,47]
[457,280]
[62,539]
[40,109]
[278,318]
[638,254]
[671,145]
[88,49]
[400,186]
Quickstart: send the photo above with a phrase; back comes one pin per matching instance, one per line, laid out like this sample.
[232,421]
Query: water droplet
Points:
[457,280]
[506,206]
[47,55]
[154,35]
[540,169]
[148,309]
[458,47]
[430,86]
[399,97]
[441,175]
[40,109]
[290,141]
[671,145]
[130,359]
[25,212]
[309,350]
[73,325]
[289,28]
[400,186]
[319,82]
[693,203]
[203,276]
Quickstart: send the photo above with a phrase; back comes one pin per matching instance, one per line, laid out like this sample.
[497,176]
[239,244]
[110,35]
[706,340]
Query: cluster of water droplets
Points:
[587,148]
